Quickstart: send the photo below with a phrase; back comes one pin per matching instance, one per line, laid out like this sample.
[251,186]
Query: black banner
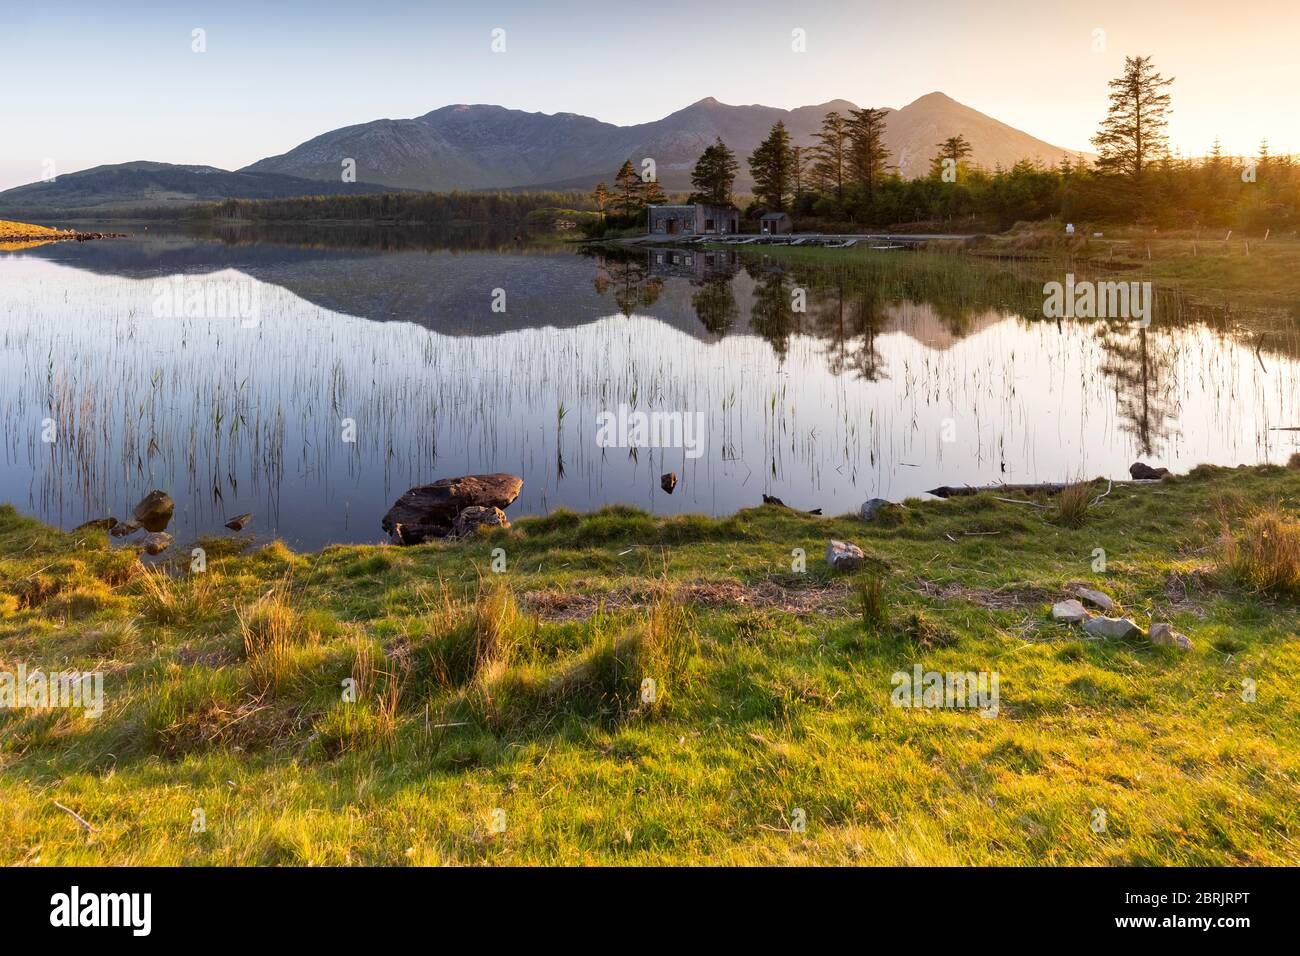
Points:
[313,905]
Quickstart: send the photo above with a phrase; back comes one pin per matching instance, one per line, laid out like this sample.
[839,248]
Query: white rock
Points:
[1112,628]
[843,556]
[1071,612]
[1097,599]
[1166,635]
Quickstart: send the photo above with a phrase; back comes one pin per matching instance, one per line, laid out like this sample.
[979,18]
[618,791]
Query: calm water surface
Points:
[366,370]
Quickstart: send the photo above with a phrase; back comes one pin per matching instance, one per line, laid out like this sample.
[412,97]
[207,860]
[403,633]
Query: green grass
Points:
[666,690]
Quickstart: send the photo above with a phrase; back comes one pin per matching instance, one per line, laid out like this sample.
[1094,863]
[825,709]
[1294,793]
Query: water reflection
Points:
[883,376]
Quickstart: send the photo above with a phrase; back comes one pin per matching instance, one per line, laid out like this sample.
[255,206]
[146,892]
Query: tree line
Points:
[848,176]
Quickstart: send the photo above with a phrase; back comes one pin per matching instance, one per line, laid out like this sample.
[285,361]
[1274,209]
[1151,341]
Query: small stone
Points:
[872,507]
[1112,628]
[1165,635]
[668,482]
[1070,612]
[156,542]
[123,528]
[471,520]
[843,556]
[239,522]
[1097,599]
[97,524]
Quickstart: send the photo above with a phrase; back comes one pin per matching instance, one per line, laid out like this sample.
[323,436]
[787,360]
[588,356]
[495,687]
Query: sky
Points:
[89,83]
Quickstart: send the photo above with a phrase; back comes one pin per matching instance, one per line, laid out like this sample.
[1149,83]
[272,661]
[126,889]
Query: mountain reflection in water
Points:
[822,385]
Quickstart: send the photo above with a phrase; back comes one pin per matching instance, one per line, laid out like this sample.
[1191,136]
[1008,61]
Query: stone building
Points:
[696,219]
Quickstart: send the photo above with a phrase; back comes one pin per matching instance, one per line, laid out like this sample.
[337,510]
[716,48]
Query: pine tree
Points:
[954,148]
[627,186]
[650,194]
[868,154]
[772,166]
[830,155]
[1133,135]
[714,175]
[601,196]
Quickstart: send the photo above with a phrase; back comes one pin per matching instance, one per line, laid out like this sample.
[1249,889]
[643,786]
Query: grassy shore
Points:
[505,718]
[1246,275]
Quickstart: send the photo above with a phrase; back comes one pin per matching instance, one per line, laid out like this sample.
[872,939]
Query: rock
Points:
[239,522]
[97,524]
[668,482]
[1111,628]
[1140,471]
[1165,635]
[156,542]
[1071,612]
[155,511]
[1097,599]
[124,528]
[430,511]
[872,507]
[469,521]
[843,556]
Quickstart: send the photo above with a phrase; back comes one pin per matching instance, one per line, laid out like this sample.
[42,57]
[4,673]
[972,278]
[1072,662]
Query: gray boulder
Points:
[1098,599]
[1166,636]
[1070,612]
[1111,628]
[124,528]
[843,556]
[872,507]
[156,542]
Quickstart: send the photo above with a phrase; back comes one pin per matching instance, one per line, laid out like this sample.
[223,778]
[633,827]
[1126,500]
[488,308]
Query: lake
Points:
[312,376]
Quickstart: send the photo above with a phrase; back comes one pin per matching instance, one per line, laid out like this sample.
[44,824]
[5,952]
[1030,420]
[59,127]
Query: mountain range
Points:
[491,147]
[479,147]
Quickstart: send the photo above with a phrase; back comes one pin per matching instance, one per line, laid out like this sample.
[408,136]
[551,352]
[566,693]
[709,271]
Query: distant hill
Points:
[491,147]
[144,184]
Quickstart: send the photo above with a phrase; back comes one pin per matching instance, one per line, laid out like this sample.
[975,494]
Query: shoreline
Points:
[510,670]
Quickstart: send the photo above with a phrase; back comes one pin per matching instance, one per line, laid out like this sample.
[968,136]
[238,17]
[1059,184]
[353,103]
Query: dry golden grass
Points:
[1265,554]
[11,231]
[1072,505]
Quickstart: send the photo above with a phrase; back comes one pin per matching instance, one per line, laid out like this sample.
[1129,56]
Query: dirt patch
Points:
[1179,586]
[812,598]
[1009,596]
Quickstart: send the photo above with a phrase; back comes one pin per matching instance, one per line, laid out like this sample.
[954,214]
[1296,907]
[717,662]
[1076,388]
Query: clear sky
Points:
[94,82]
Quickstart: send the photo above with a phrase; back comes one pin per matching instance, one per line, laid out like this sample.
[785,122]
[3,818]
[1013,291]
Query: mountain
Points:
[491,147]
[143,184]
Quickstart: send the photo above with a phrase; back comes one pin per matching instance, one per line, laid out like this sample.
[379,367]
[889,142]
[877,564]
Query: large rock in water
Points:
[155,511]
[429,511]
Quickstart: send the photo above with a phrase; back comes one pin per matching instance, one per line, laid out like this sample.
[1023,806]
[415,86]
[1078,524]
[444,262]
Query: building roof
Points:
[775,215]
